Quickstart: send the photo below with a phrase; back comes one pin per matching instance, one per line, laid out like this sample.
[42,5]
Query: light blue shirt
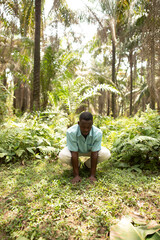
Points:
[76,142]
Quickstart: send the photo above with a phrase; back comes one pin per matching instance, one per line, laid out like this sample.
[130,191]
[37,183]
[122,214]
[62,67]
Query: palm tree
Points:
[152,27]
[35,103]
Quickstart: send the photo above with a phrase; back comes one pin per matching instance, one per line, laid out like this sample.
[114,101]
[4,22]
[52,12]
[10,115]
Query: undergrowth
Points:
[134,142]
[37,200]
[31,137]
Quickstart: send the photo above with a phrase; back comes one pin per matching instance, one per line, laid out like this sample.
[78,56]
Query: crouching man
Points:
[84,139]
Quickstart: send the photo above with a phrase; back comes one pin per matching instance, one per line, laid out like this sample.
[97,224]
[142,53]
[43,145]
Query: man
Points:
[84,139]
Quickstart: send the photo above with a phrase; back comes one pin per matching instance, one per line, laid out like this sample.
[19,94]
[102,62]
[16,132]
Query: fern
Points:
[133,141]
[139,144]
[26,139]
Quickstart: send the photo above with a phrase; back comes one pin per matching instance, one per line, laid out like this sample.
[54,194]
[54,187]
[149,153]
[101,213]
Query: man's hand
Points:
[76,179]
[92,179]
[74,160]
[94,158]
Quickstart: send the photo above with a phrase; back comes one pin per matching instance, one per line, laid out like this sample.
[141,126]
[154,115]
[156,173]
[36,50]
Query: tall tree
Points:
[150,50]
[153,15]
[131,79]
[35,104]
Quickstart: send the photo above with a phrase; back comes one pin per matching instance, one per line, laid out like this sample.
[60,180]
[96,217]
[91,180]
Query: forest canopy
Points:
[115,73]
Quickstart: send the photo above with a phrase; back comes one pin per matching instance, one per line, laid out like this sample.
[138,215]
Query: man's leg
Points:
[65,156]
[103,154]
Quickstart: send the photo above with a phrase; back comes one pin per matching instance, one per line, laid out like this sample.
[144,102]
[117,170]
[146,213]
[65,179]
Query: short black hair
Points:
[86,116]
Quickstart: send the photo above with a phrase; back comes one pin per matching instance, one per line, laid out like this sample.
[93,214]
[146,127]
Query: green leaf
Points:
[3,154]
[33,235]
[136,168]
[46,149]
[156,236]
[48,142]
[22,238]
[124,230]
[30,150]
[19,152]
[150,229]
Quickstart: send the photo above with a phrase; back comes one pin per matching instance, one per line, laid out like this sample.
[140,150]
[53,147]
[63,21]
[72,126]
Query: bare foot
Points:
[76,179]
[92,179]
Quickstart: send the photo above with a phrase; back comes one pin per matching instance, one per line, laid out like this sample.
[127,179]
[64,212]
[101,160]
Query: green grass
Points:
[37,200]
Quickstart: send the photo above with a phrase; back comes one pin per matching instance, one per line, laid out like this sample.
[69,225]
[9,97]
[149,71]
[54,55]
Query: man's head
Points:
[85,123]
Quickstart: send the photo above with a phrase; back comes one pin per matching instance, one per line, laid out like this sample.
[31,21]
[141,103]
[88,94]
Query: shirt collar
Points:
[90,133]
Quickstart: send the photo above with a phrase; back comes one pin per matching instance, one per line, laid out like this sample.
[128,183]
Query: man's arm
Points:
[74,160]
[94,158]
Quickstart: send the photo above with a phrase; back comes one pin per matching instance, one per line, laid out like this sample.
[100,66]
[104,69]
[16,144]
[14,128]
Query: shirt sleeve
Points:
[97,143]
[72,142]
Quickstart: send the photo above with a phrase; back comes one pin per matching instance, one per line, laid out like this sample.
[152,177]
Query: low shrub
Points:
[31,137]
[138,143]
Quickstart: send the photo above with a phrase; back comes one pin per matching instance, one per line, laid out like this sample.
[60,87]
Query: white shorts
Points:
[65,156]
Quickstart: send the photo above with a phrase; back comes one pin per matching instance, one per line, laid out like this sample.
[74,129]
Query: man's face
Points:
[85,126]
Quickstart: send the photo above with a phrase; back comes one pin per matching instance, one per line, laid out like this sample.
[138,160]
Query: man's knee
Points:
[65,156]
[103,154]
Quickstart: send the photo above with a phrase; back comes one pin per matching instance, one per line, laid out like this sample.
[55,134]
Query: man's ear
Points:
[78,122]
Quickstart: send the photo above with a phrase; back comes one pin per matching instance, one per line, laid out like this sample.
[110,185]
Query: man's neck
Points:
[85,136]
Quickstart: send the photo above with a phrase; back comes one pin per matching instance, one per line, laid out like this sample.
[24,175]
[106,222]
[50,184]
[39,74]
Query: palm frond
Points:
[94,91]
[143,93]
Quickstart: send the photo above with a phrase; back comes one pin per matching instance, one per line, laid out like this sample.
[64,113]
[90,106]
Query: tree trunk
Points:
[152,86]
[113,34]
[131,80]
[152,41]
[21,101]
[113,77]
[35,105]
[102,103]
[108,103]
